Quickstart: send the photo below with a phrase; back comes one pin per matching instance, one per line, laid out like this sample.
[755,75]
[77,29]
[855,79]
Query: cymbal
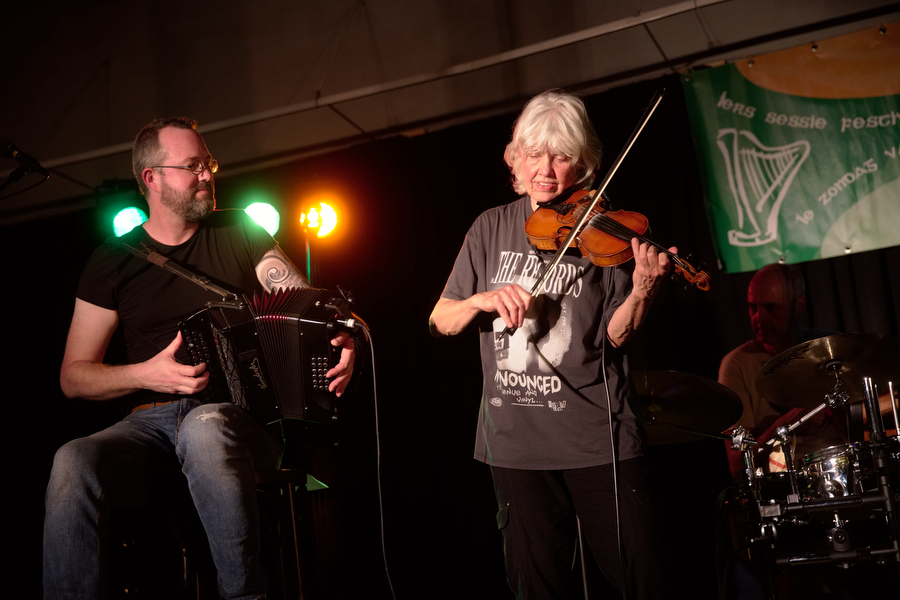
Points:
[682,407]
[800,377]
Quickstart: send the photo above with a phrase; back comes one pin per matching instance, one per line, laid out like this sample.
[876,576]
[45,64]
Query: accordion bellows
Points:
[269,354]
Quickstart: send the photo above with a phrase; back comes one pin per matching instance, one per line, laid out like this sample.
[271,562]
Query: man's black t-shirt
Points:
[150,301]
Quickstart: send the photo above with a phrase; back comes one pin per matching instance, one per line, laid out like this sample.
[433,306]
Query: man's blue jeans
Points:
[219,447]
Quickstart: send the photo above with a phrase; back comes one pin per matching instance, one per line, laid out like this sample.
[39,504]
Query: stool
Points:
[160,552]
[172,539]
[282,510]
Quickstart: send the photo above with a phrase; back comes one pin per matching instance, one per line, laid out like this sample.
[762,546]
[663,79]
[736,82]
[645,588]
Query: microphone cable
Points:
[358,323]
[613,446]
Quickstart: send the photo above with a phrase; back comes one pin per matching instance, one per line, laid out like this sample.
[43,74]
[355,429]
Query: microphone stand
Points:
[16,175]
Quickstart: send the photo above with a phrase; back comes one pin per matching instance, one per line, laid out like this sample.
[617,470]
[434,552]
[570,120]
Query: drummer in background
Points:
[776,298]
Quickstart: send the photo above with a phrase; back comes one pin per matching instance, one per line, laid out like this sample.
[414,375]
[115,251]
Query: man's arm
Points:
[83,374]
[275,270]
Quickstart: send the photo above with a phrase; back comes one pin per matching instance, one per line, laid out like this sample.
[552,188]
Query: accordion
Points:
[269,354]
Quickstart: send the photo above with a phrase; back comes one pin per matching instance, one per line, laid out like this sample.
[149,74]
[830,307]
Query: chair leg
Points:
[285,491]
[294,499]
[147,536]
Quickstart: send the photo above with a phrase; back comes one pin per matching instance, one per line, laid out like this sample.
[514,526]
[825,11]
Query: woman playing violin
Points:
[555,424]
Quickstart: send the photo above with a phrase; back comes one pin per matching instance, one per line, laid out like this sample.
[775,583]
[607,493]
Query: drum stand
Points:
[780,520]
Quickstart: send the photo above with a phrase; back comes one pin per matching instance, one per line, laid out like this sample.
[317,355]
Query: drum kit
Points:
[838,505]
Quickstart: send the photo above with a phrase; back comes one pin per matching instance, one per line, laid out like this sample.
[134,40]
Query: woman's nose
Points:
[544,163]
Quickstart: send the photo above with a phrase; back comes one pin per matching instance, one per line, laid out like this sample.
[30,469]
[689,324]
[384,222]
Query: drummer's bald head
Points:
[790,276]
[776,297]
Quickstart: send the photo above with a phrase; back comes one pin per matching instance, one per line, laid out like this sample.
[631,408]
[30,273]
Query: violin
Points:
[549,228]
[605,238]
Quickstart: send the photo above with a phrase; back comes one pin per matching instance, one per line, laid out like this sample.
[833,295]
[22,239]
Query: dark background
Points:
[407,492]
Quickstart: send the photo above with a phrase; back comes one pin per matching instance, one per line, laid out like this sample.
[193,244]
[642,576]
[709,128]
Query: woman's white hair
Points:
[557,122]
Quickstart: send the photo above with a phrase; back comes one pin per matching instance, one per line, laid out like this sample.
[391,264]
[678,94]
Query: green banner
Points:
[790,175]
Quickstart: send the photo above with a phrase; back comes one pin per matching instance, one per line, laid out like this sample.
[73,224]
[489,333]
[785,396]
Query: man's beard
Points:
[186,205]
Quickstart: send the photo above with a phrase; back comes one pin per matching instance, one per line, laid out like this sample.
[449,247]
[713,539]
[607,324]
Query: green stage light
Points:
[265,214]
[127,219]
[120,207]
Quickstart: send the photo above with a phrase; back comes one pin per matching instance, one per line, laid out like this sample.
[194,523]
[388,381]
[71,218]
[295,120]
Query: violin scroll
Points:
[699,278]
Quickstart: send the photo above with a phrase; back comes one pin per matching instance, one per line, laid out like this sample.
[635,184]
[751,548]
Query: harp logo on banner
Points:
[759,178]
[800,150]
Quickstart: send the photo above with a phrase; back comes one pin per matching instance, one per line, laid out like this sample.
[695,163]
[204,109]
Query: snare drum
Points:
[836,471]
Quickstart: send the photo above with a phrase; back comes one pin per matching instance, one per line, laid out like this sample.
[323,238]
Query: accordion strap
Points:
[160,260]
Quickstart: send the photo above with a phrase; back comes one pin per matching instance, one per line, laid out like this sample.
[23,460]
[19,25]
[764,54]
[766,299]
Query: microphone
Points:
[9,150]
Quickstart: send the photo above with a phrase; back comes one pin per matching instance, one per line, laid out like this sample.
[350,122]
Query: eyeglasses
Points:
[197,167]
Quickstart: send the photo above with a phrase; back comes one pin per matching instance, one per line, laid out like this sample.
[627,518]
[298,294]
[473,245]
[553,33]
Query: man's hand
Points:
[84,375]
[163,373]
[340,374]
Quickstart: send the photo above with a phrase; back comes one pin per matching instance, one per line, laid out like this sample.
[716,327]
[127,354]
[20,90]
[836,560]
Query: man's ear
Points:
[151,179]
[800,304]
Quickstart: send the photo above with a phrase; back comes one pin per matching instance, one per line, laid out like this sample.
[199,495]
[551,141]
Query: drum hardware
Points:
[871,398]
[815,542]
[742,441]
[880,460]
[836,399]
[838,537]
[893,397]
[789,522]
[860,524]
[841,508]
[837,507]
[858,415]
[838,396]
[784,435]
[842,558]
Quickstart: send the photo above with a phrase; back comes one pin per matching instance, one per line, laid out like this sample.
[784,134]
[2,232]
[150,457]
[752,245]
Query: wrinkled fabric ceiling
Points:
[272,81]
